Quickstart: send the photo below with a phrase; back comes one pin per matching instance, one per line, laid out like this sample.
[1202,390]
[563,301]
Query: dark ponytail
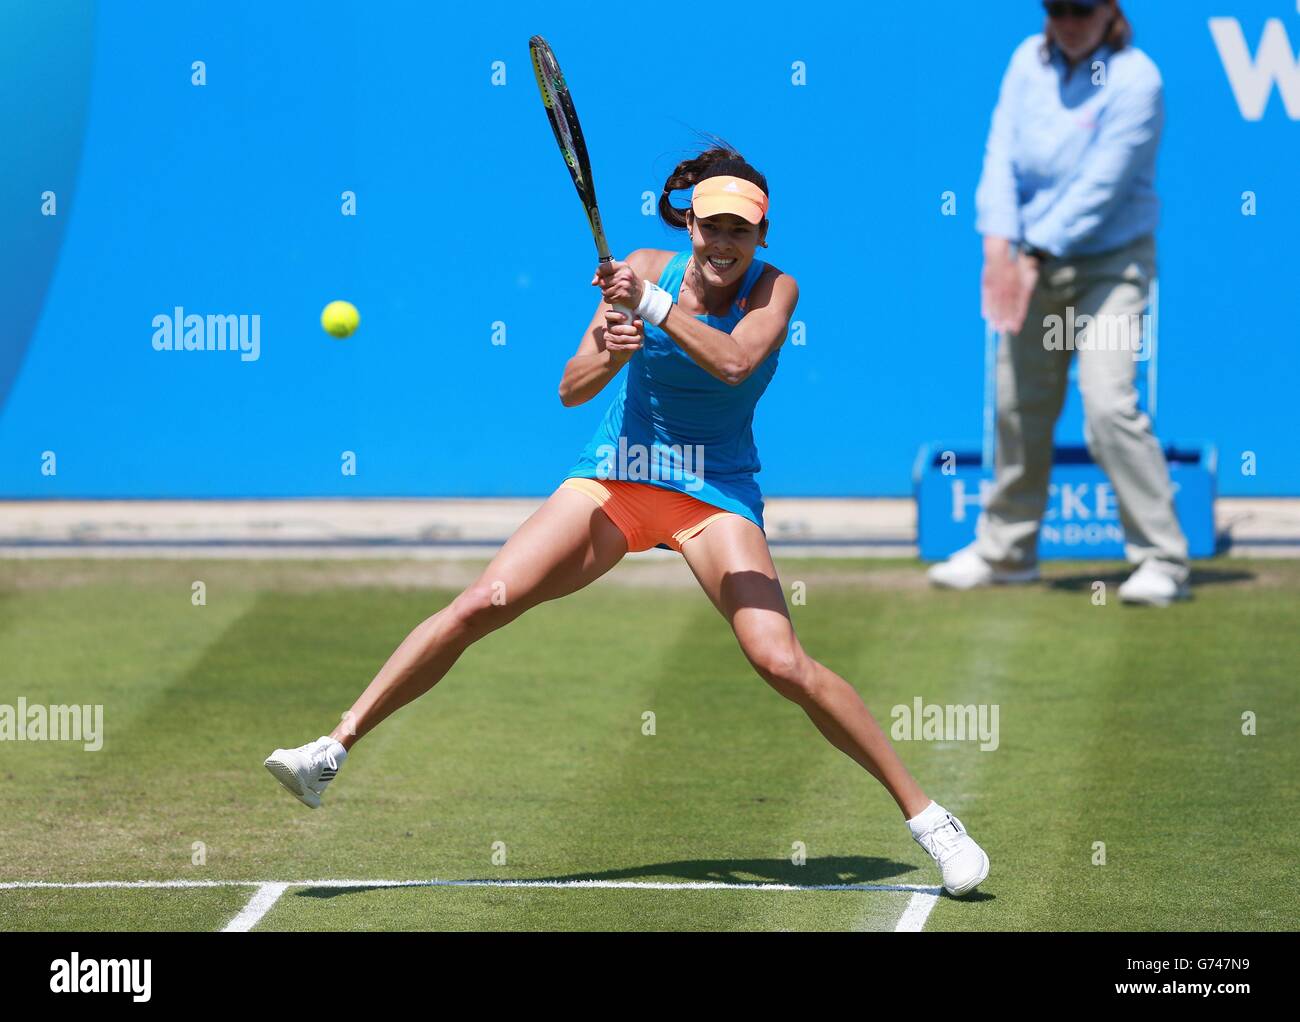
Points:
[721,159]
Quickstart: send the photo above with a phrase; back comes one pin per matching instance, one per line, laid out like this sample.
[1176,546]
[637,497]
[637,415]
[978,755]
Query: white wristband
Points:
[655,303]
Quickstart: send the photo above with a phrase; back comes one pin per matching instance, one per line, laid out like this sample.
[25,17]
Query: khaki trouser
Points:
[1112,287]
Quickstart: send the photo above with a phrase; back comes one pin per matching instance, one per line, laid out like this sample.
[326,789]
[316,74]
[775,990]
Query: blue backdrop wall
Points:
[227,197]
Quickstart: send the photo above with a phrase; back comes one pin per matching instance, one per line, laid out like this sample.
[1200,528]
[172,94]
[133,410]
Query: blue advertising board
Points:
[1081,519]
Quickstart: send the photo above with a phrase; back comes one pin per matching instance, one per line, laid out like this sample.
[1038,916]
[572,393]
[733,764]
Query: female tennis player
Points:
[672,465]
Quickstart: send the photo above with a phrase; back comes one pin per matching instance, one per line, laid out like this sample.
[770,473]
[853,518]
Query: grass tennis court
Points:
[1117,725]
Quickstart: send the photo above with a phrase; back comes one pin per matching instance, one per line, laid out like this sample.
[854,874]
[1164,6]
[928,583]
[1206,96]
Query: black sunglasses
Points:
[1063,9]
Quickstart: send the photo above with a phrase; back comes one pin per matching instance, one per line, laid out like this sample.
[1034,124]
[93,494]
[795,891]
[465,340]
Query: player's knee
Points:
[480,608]
[782,665]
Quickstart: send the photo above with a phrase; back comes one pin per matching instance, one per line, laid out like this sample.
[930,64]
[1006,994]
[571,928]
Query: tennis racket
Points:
[563,116]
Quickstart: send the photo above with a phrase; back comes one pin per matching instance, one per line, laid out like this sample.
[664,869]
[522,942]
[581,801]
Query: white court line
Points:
[923,899]
[258,905]
[36,884]
[918,911]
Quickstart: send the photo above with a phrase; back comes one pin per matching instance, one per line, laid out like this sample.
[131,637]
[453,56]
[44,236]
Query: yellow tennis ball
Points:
[340,319]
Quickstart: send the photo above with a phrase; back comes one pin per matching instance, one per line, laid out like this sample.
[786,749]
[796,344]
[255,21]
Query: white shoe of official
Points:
[962,862]
[1156,583]
[968,570]
[307,769]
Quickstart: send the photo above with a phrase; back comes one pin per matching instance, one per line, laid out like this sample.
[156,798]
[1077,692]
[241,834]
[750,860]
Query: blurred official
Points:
[1067,208]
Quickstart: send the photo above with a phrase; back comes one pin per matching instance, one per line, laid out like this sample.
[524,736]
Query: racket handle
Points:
[630,313]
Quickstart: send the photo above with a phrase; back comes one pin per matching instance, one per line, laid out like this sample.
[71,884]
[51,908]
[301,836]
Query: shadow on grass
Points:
[824,872]
[1200,577]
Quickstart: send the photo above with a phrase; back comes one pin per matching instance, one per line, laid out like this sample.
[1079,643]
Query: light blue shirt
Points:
[1070,165]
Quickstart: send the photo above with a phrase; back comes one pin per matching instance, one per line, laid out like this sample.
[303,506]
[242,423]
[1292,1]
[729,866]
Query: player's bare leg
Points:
[565,545]
[732,562]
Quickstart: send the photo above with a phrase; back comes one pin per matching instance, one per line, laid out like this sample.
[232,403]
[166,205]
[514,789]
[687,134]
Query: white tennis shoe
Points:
[1156,583]
[962,862]
[307,769]
[968,570]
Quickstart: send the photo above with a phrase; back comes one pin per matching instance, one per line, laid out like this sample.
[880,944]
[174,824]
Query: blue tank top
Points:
[675,425]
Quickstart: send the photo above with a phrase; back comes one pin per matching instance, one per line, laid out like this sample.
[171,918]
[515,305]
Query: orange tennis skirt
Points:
[649,515]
